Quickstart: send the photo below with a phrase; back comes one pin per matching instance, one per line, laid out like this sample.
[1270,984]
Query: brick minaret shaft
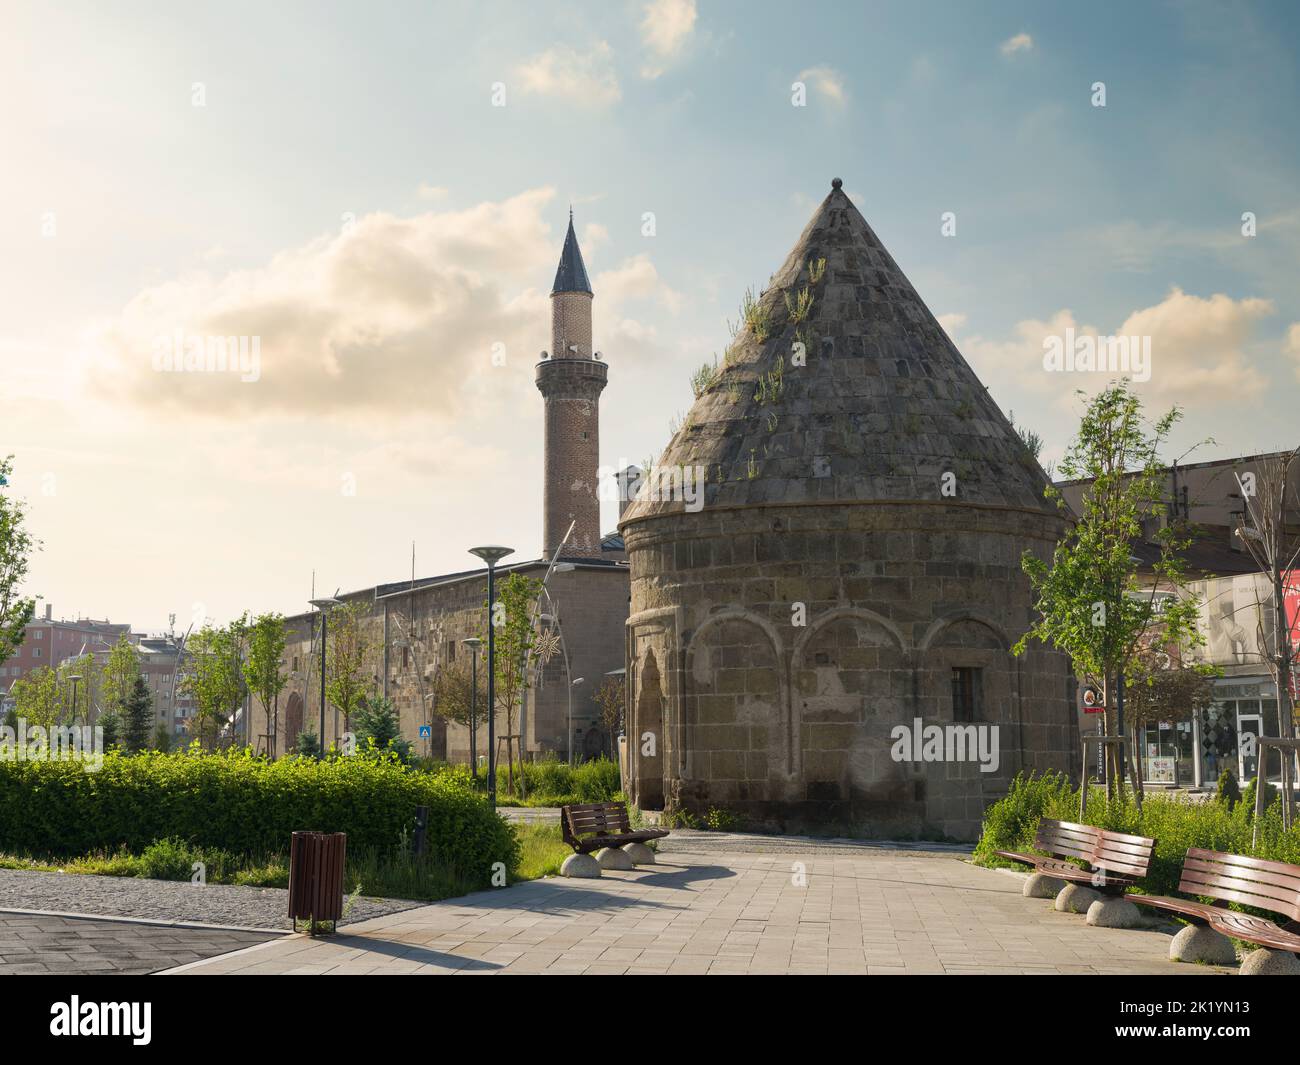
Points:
[571,381]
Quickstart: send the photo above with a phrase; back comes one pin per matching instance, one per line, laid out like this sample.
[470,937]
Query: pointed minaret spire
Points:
[572,273]
[571,380]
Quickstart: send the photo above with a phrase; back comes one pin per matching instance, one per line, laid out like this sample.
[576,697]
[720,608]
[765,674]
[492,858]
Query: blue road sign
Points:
[426,732]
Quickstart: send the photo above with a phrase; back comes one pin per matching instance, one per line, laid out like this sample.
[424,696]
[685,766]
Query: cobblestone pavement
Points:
[41,945]
[167,900]
[867,910]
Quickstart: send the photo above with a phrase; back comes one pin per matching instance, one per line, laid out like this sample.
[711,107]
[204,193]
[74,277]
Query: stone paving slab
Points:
[46,944]
[864,912]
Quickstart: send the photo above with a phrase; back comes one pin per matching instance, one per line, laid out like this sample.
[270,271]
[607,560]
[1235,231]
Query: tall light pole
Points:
[492,554]
[576,682]
[473,643]
[321,605]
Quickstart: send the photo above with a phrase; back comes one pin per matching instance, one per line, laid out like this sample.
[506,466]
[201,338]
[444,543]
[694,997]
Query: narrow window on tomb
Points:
[966,693]
[406,658]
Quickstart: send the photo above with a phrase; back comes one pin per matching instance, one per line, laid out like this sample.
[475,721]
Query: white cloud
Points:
[1021,42]
[584,77]
[827,81]
[1293,345]
[431,192]
[636,279]
[397,316]
[1198,350]
[665,30]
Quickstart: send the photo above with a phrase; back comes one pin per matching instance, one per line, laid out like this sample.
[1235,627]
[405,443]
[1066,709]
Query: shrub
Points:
[1175,822]
[1228,791]
[237,803]
[168,859]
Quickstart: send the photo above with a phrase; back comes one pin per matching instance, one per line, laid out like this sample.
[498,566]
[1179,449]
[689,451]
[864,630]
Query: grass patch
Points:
[542,850]
[372,872]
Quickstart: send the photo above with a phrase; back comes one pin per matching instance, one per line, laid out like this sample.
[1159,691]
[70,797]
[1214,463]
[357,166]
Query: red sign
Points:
[1092,701]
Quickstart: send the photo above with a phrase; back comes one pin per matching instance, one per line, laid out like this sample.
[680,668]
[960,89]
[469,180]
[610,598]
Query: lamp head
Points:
[491,554]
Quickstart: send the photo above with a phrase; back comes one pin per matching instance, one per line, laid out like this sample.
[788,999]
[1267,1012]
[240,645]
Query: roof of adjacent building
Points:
[883,408]
[571,275]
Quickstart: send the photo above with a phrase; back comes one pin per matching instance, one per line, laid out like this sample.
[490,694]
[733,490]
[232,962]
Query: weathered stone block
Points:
[1199,943]
[1114,912]
[1075,898]
[580,866]
[613,858]
[1270,963]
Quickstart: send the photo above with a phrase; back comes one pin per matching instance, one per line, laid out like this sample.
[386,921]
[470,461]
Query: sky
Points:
[375,195]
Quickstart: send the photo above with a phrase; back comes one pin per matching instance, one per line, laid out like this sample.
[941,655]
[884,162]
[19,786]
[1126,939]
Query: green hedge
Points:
[1175,822]
[246,805]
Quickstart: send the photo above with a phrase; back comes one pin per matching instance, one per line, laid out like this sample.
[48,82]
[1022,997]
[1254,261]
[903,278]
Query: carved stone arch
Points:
[850,682]
[293,723]
[838,612]
[964,614]
[736,712]
[648,717]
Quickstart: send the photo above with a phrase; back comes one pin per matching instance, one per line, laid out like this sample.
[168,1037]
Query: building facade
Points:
[810,648]
[417,628]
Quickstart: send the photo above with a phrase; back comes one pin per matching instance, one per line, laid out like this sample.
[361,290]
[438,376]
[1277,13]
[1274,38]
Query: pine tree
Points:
[137,718]
[162,738]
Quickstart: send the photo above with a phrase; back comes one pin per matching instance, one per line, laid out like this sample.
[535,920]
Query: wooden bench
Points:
[1115,860]
[1265,885]
[589,826]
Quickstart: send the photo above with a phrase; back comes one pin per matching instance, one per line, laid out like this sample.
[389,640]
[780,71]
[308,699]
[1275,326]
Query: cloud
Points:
[1021,42]
[431,192]
[665,30]
[395,317]
[636,279]
[587,77]
[1198,349]
[1293,345]
[827,81]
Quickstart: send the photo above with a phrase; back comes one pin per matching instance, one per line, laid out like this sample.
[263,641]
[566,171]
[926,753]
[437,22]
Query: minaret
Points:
[571,381]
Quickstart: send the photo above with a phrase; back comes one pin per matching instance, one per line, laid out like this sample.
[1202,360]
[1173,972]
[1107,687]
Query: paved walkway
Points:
[865,911]
[43,944]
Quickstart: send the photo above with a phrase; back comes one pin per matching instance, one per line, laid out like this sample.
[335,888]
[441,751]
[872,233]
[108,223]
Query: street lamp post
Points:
[576,682]
[473,643]
[492,554]
[321,604]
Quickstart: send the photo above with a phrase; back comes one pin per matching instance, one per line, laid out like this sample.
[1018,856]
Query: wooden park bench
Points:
[1115,861]
[589,826]
[1265,885]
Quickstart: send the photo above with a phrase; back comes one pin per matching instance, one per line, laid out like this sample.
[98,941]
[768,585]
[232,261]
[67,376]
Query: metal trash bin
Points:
[316,861]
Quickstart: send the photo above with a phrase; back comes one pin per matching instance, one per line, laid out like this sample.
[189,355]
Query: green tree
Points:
[16,545]
[453,693]
[376,721]
[214,678]
[119,674]
[137,717]
[262,671]
[162,738]
[111,724]
[349,649]
[611,697]
[307,744]
[1089,599]
[512,617]
[38,698]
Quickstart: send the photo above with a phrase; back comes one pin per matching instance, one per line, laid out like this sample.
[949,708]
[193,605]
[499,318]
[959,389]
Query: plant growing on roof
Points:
[799,308]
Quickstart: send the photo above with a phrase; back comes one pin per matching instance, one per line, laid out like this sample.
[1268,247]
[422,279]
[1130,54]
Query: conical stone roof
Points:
[884,407]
